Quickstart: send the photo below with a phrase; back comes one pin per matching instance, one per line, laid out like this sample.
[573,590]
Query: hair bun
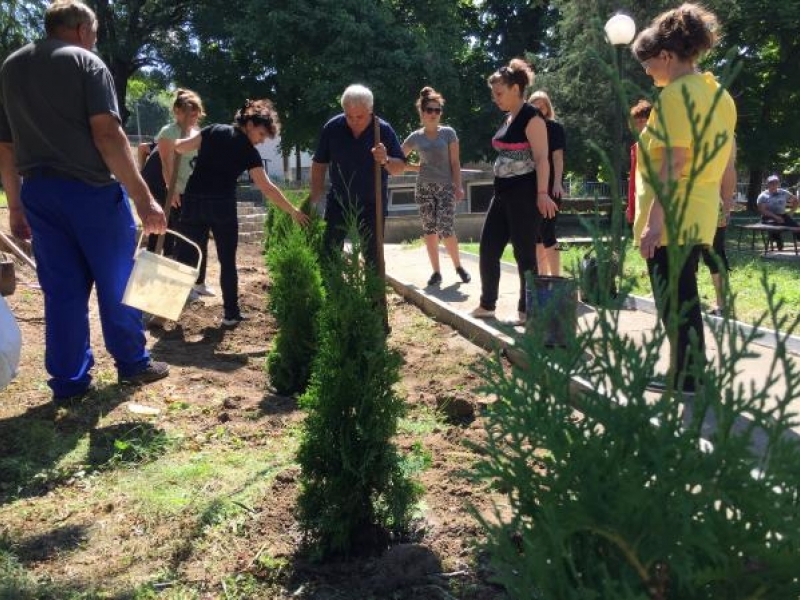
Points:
[427,91]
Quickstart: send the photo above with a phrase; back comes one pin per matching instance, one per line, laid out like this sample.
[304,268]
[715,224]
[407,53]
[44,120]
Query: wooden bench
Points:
[765,231]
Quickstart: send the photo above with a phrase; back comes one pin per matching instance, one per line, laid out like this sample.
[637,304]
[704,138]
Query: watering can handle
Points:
[184,238]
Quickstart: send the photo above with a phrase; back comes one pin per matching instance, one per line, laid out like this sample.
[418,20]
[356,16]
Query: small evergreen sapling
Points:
[354,484]
[295,300]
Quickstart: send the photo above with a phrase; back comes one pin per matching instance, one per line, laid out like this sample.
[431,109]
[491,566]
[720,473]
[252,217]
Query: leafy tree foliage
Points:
[322,46]
[303,54]
[767,91]
[214,56]
[20,22]
[131,34]
[149,103]
[579,77]
[505,29]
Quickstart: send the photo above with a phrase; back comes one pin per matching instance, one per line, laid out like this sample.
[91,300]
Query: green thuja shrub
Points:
[354,485]
[295,298]
[277,224]
[612,494]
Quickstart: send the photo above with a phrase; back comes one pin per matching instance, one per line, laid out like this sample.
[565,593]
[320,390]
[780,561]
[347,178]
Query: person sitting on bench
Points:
[772,203]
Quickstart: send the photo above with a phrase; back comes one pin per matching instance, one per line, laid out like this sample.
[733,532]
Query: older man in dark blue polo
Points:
[348,150]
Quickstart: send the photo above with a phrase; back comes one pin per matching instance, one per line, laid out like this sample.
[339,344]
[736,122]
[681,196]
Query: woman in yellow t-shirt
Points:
[679,170]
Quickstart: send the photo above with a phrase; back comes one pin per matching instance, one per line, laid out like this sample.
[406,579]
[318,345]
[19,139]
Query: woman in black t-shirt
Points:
[209,201]
[547,255]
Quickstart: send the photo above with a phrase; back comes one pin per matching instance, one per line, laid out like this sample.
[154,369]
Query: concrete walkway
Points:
[408,270]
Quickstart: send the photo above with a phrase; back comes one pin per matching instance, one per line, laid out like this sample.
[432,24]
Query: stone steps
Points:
[251,222]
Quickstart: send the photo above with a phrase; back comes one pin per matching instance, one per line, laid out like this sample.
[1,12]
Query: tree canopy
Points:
[302,53]
[132,32]
[20,22]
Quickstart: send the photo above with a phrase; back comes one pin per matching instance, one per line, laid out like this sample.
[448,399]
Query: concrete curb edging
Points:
[768,338]
[475,330]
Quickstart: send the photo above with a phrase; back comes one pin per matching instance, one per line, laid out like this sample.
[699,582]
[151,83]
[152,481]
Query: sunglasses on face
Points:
[433,110]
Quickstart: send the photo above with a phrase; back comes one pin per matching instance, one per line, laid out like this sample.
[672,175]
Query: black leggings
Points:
[714,256]
[691,321]
[201,215]
[513,215]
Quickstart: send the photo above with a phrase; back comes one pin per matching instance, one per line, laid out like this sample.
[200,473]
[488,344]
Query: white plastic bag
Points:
[10,344]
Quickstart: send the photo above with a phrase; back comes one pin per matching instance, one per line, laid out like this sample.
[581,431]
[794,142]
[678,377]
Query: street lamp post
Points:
[620,31]
[138,123]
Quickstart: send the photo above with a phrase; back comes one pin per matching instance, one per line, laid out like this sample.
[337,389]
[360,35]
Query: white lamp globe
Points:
[620,30]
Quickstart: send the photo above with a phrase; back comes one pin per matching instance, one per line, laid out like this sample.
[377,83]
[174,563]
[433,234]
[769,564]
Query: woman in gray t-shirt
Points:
[438,182]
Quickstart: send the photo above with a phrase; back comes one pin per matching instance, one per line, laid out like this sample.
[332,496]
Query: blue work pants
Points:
[83,236]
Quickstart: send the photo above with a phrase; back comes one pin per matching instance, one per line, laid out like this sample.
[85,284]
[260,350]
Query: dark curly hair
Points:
[687,31]
[261,113]
[518,72]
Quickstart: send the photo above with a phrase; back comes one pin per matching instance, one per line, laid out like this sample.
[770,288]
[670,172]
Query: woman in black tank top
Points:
[520,197]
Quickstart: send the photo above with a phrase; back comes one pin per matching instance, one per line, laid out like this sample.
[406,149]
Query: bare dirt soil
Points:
[75,525]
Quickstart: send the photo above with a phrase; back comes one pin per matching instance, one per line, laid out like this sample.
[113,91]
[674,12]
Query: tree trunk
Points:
[753,189]
[120,71]
[298,172]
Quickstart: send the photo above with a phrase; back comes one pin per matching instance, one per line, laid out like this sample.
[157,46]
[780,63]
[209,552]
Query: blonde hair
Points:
[185,98]
[550,115]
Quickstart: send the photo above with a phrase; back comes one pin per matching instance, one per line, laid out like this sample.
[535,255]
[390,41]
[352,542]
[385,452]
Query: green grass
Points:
[203,489]
[747,271]
[422,421]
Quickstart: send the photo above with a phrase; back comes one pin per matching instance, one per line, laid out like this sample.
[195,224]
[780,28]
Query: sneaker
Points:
[193,296]
[435,279]
[465,277]
[482,313]
[235,320]
[74,398]
[153,372]
[203,290]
